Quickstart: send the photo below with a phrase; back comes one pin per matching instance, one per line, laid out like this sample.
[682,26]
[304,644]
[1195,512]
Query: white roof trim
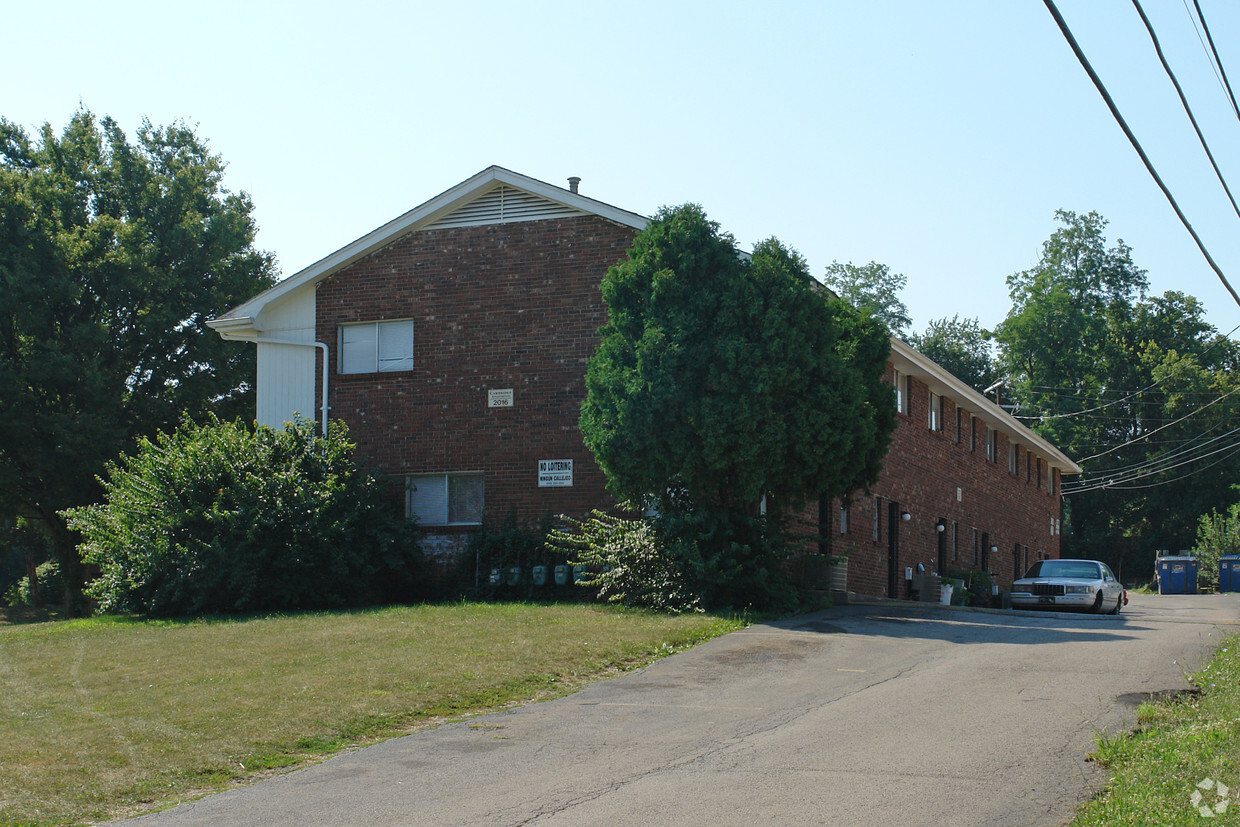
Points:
[941,381]
[422,215]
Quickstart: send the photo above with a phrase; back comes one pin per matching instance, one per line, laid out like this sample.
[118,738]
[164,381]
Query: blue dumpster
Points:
[1229,573]
[1177,575]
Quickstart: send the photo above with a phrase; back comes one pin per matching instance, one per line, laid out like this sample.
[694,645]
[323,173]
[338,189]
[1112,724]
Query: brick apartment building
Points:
[453,342]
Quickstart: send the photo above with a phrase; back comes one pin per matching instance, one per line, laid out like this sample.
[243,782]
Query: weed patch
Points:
[1183,756]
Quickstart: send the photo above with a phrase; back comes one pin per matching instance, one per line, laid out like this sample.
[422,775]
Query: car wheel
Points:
[1098,602]
[1119,604]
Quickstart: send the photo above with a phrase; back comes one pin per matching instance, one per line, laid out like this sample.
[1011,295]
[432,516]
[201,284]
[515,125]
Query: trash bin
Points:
[1177,575]
[1229,573]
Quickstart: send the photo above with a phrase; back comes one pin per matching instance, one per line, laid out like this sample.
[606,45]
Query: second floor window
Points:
[376,347]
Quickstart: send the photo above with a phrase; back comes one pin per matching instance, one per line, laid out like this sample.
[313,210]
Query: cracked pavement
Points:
[864,714]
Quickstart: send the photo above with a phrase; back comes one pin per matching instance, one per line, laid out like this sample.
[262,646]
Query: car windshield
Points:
[1081,569]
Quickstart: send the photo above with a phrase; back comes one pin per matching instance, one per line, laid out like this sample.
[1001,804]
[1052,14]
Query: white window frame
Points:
[1013,459]
[934,419]
[843,519]
[898,380]
[429,498]
[992,443]
[375,347]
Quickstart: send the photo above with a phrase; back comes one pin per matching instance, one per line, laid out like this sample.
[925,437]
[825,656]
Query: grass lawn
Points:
[1172,765]
[106,716]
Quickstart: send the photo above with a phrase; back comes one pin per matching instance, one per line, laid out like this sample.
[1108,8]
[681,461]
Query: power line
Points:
[1043,417]
[1193,412]
[1110,485]
[1184,102]
[1218,62]
[1150,471]
[1132,139]
[1190,446]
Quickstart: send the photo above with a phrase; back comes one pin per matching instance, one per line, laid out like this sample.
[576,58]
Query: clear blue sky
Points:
[937,138]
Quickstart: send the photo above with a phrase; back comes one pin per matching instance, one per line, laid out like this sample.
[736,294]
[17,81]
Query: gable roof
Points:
[500,196]
[493,196]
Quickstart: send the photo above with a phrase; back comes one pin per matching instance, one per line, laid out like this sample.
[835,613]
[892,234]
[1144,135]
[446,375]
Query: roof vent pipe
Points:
[573,183]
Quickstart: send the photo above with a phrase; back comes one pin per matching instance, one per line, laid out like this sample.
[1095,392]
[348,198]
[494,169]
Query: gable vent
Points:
[503,205]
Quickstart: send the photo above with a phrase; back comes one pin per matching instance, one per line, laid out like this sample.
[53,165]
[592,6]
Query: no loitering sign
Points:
[555,473]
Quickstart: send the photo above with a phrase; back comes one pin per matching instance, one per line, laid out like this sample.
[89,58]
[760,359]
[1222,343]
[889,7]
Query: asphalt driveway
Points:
[889,713]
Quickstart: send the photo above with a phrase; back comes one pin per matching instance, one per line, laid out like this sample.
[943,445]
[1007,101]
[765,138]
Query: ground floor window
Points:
[445,499]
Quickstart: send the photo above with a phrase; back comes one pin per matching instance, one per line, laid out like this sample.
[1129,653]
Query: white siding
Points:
[286,373]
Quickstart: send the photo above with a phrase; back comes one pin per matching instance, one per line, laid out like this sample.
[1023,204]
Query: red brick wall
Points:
[517,306]
[922,474]
[495,307]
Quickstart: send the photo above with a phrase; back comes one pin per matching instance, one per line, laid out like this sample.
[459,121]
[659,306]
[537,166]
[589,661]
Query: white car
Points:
[1087,585]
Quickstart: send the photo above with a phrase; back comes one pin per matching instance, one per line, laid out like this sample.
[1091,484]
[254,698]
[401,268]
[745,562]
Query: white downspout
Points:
[321,346]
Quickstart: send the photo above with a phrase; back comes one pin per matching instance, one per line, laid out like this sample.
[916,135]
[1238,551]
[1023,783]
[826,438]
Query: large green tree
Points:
[113,254]
[962,347]
[721,380]
[1135,388]
[874,288]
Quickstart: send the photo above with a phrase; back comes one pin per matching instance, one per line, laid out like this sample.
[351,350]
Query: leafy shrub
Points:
[23,548]
[50,584]
[743,560]
[626,562]
[222,518]
[1218,535]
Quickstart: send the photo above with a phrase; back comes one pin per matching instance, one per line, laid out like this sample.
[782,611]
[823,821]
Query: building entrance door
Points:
[893,549]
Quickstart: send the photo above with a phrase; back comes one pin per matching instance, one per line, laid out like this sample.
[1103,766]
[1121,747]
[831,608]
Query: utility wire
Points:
[1217,61]
[1215,343]
[1143,467]
[1113,481]
[1218,461]
[1161,458]
[1132,139]
[1235,449]
[1184,102]
[1193,412]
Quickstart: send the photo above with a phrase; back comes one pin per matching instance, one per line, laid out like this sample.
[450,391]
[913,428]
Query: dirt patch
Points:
[767,652]
[1138,698]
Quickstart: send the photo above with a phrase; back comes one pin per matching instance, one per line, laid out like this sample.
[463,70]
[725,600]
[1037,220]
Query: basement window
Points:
[445,499]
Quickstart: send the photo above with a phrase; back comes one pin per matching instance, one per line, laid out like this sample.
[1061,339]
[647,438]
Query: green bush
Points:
[1218,535]
[625,562]
[51,586]
[221,518]
[740,560]
[23,546]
